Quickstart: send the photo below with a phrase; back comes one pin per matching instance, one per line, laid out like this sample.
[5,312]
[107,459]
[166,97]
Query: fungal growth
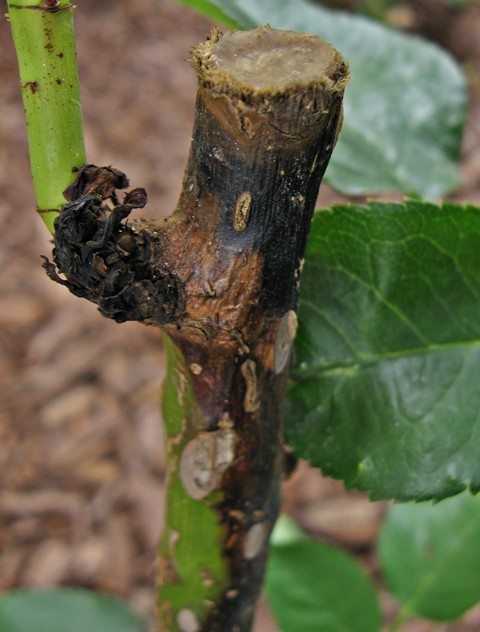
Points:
[220,278]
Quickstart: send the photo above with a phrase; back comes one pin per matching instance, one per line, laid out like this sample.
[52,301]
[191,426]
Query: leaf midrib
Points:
[367,361]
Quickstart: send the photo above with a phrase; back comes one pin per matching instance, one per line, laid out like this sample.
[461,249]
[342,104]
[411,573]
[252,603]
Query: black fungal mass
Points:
[107,261]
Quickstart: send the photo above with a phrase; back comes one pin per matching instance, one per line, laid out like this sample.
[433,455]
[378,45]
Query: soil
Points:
[81,458]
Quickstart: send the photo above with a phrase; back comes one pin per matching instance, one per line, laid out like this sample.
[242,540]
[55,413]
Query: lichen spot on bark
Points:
[187,621]
[287,331]
[242,212]
[255,540]
[204,461]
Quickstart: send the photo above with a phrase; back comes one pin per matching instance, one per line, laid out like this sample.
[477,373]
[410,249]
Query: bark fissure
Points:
[220,276]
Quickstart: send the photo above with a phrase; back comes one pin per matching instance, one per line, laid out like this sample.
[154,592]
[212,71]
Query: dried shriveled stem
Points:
[220,277]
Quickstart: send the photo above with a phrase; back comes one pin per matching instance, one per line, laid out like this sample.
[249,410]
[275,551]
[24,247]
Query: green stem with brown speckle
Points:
[43,33]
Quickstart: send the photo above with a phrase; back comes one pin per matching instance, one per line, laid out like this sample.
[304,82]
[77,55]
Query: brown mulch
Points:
[81,456]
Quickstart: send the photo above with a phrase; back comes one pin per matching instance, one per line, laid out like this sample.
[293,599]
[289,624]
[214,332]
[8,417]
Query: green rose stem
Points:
[43,33]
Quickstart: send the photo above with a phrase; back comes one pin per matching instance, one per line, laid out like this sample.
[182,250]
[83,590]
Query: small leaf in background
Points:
[312,587]
[376,8]
[404,108]
[215,12]
[286,532]
[65,610]
[430,555]
[460,4]
[386,392]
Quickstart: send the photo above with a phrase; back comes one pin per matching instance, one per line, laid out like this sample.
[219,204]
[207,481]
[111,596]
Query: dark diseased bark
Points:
[221,274]
[107,261]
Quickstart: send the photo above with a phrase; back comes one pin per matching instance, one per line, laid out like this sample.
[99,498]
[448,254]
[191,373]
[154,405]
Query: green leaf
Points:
[312,587]
[405,106]
[386,390]
[214,11]
[65,610]
[430,555]
[460,4]
[286,531]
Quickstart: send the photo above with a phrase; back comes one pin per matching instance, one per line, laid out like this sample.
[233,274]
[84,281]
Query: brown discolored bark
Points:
[221,275]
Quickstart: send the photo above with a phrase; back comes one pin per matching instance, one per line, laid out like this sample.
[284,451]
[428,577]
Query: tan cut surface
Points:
[266,58]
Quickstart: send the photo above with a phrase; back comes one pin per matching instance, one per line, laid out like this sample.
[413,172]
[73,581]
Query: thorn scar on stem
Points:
[187,621]
[204,461]
[242,212]
[251,401]
[255,540]
[285,336]
[207,579]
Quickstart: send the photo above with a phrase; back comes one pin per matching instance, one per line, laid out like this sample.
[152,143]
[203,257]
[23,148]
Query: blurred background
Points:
[81,456]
